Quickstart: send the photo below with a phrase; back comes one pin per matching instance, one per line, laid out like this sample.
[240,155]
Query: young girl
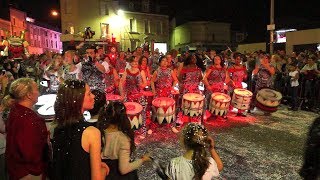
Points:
[143,63]
[294,85]
[119,142]
[194,163]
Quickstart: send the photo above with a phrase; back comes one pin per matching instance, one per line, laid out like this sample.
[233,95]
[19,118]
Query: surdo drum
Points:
[134,114]
[163,110]
[192,104]
[268,99]
[113,98]
[219,104]
[241,99]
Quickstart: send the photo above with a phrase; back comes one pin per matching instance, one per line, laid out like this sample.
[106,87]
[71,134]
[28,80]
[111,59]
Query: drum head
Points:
[163,102]
[133,108]
[243,92]
[113,97]
[221,97]
[270,94]
[193,97]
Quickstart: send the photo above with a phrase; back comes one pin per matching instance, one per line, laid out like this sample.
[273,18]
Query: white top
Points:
[106,66]
[181,168]
[292,74]
[117,146]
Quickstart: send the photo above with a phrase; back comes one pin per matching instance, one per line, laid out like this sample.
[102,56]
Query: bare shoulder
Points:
[91,132]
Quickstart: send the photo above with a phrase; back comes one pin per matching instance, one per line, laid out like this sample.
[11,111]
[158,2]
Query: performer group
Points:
[167,88]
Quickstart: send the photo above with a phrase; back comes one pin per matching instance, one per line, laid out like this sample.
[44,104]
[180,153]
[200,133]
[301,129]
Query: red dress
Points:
[216,79]
[27,148]
[237,76]
[132,86]
[163,82]
[190,80]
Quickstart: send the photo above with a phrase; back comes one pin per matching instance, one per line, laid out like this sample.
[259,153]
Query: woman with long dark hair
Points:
[194,163]
[76,143]
[119,142]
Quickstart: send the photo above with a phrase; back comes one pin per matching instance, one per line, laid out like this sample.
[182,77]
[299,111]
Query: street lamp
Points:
[54,13]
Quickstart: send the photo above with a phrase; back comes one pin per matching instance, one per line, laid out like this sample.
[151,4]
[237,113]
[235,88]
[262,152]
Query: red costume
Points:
[163,82]
[191,78]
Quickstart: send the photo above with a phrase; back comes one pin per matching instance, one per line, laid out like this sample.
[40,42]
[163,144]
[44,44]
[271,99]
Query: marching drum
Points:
[163,110]
[134,114]
[268,99]
[114,98]
[192,104]
[219,104]
[241,99]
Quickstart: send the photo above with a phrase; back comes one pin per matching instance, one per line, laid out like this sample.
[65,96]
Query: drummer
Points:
[163,82]
[263,72]
[163,79]
[238,74]
[131,85]
[190,76]
[215,77]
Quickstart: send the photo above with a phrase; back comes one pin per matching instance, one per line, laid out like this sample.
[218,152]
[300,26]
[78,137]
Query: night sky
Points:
[250,16]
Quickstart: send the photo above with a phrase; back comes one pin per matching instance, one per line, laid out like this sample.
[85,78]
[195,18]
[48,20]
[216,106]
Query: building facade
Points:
[40,39]
[137,22]
[4,28]
[201,35]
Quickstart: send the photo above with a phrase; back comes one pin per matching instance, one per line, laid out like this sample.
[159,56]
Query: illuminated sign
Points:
[281,35]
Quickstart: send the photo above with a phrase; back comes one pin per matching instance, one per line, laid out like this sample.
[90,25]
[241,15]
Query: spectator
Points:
[194,164]
[76,144]
[294,85]
[119,142]
[27,147]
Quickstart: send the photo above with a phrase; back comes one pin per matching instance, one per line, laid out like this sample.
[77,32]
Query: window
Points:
[104,30]
[35,42]
[51,44]
[71,30]
[103,8]
[39,44]
[131,6]
[14,21]
[146,26]
[23,24]
[55,36]
[45,33]
[47,43]
[133,25]
[68,6]
[145,6]
[159,28]
[56,44]
[213,37]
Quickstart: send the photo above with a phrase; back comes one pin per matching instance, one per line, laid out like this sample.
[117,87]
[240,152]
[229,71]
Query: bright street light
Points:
[120,12]
[54,13]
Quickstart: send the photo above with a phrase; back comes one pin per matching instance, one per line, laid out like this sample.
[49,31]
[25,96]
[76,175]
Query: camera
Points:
[3,72]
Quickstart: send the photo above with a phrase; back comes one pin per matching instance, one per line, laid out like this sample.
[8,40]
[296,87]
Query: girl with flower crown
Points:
[194,163]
